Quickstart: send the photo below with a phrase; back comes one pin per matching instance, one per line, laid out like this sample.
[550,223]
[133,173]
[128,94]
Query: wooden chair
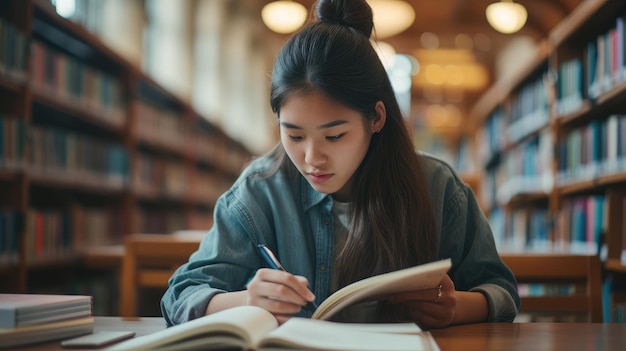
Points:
[149,261]
[581,273]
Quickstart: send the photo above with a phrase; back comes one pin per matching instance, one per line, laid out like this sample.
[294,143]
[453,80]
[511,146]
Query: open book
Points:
[414,278]
[253,328]
[249,327]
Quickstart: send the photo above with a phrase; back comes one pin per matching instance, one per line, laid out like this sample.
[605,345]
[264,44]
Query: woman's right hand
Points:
[279,292]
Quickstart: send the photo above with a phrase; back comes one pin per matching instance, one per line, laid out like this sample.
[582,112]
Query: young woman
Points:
[342,197]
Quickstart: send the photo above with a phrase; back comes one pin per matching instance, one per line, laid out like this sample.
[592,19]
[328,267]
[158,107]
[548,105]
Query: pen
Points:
[272,261]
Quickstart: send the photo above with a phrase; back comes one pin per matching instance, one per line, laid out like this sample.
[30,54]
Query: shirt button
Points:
[322,267]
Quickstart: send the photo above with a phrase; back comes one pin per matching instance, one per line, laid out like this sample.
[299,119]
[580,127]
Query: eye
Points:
[295,137]
[335,137]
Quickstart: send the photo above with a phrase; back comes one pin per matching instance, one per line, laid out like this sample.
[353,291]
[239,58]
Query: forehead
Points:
[316,108]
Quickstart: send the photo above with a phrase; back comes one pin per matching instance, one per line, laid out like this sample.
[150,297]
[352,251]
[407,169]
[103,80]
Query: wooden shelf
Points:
[502,89]
[576,21]
[84,149]
[614,265]
[9,268]
[600,182]
[577,116]
[86,183]
[163,198]
[615,96]
[527,199]
[573,208]
[9,174]
[83,113]
[108,257]
[612,179]
[160,147]
[47,24]
[9,85]
[52,262]
[577,187]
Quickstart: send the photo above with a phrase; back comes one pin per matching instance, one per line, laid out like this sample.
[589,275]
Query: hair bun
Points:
[352,13]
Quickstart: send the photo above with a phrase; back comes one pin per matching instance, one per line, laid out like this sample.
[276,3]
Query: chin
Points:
[322,189]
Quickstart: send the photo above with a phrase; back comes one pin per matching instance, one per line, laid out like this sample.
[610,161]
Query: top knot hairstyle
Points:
[333,55]
[392,224]
[355,14]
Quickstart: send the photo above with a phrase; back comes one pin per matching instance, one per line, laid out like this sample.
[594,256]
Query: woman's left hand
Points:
[430,308]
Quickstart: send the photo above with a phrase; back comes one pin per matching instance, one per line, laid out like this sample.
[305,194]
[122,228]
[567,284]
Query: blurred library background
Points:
[131,117]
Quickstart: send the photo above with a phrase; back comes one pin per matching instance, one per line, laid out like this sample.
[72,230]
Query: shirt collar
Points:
[311,196]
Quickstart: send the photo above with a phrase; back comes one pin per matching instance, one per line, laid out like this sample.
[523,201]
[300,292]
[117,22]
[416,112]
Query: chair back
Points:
[556,287]
[149,261]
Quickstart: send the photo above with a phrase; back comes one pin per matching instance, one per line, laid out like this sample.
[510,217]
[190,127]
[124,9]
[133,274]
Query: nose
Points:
[314,155]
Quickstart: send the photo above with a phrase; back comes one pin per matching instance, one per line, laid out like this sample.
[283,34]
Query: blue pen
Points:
[272,261]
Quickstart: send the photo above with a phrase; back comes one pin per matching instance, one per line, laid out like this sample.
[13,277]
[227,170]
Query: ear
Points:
[381,116]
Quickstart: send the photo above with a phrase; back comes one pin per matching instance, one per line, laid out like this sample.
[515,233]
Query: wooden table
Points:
[532,336]
[472,337]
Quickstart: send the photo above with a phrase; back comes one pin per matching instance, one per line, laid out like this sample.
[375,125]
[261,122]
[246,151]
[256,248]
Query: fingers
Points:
[279,292]
[430,308]
[445,287]
[426,295]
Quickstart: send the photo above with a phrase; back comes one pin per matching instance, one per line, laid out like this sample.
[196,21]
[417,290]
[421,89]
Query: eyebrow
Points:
[323,126]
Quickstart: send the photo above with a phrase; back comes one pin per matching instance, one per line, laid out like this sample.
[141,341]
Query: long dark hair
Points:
[393,224]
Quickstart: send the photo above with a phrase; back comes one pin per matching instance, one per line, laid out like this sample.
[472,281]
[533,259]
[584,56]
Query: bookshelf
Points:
[552,142]
[91,150]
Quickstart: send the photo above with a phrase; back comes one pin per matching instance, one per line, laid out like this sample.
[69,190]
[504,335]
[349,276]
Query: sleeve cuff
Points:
[501,306]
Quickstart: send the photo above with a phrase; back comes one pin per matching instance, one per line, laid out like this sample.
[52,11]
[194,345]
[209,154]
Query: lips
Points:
[319,177]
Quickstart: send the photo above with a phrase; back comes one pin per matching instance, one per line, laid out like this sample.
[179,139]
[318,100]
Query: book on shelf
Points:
[9,236]
[580,223]
[592,150]
[254,328]
[623,252]
[606,66]
[31,318]
[77,84]
[570,86]
[529,110]
[14,45]
[12,142]
[67,156]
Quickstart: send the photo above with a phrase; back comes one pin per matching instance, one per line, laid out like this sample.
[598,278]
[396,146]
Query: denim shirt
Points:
[296,222]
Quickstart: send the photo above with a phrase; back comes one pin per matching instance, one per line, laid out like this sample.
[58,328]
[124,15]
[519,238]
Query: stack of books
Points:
[33,318]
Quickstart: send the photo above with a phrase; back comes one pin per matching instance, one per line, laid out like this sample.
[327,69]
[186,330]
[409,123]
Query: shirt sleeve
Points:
[468,239]
[225,261]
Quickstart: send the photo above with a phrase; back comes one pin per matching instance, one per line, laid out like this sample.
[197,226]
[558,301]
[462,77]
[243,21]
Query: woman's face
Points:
[325,140]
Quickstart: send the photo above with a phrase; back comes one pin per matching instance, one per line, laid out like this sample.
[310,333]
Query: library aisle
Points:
[91,150]
[551,145]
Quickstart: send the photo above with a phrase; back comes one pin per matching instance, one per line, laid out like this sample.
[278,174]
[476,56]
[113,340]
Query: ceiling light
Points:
[284,16]
[506,16]
[391,17]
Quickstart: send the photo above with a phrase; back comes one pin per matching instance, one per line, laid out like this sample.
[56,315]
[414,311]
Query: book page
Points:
[310,334]
[239,327]
[389,328]
[414,278]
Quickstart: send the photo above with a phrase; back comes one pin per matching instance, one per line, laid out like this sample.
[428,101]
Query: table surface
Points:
[532,336]
[471,337]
